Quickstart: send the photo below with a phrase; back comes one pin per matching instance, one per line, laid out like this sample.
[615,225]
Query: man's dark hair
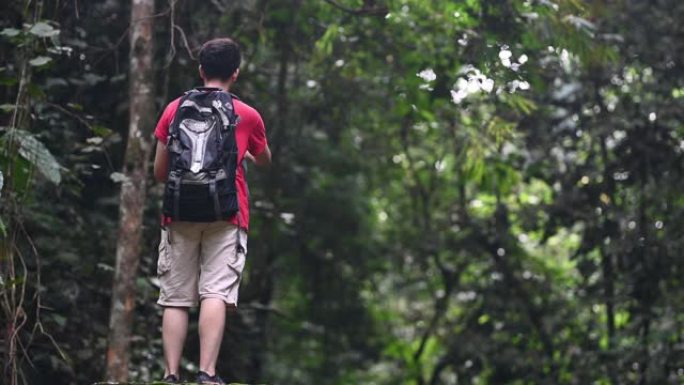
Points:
[219,58]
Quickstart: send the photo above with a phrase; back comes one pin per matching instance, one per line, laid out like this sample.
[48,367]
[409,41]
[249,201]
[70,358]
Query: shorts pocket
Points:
[236,259]
[242,244]
[164,260]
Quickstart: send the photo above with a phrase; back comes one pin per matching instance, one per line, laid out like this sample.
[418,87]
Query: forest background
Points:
[463,192]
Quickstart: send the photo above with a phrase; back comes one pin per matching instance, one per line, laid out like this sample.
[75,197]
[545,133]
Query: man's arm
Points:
[263,159]
[161,163]
[257,146]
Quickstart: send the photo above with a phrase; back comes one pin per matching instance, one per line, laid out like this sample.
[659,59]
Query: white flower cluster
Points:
[518,84]
[505,55]
[473,82]
[428,75]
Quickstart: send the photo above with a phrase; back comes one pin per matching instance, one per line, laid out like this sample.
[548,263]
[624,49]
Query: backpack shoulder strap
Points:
[188,100]
[228,107]
[173,127]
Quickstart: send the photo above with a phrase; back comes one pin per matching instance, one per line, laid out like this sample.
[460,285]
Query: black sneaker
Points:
[171,379]
[204,378]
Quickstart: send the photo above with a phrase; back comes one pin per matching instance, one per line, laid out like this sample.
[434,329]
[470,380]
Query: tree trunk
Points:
[133,189]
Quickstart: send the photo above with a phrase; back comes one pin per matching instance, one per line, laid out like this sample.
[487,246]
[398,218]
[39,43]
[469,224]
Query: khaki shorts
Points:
[198,261]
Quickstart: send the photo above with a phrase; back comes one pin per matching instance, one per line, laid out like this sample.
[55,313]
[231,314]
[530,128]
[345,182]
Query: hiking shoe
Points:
[171,379]
[204,378]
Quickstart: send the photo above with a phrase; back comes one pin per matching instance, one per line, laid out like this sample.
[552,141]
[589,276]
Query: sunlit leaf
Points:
[101,130]
[10,32]
[40,61]
[33,150]
[43,29]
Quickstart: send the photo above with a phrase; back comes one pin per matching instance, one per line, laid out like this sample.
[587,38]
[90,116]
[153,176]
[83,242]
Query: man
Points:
[202,263]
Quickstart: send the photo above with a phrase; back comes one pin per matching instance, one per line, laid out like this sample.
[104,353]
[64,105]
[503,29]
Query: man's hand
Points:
[263,159]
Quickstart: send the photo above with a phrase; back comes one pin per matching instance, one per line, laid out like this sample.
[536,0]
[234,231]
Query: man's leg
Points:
[178,271]
[219,282]
[212,320]
[174,330]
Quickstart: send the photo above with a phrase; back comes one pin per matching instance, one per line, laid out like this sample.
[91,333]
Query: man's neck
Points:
[218,84]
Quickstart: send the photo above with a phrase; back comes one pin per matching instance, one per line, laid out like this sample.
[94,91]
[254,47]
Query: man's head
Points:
[219,60]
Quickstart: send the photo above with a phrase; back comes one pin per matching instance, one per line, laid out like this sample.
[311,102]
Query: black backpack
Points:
[202,158]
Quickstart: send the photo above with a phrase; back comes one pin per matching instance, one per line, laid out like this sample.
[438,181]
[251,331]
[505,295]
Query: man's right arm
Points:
[161,132]
[161,162]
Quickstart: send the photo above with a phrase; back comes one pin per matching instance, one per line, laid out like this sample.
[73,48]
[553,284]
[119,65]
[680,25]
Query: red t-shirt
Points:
[250,135]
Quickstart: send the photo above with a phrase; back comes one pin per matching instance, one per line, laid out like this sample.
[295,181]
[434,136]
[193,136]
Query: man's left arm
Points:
[257,147]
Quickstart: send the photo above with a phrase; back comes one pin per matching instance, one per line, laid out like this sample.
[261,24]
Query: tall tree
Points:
[133,188]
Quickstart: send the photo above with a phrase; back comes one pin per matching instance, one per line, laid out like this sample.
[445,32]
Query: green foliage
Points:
[35,152]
